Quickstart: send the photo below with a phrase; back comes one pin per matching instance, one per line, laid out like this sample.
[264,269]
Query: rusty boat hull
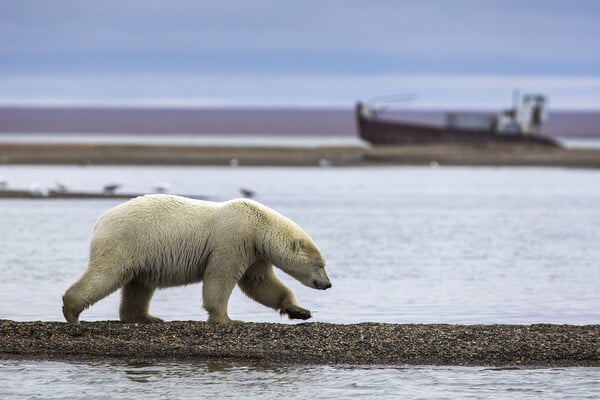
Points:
[381,132]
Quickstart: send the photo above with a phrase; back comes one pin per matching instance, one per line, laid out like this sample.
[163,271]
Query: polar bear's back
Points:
[156,213]
[166,237]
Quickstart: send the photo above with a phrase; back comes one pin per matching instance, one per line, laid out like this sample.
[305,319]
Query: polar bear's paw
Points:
[150,319]
[142,319]
[296,312]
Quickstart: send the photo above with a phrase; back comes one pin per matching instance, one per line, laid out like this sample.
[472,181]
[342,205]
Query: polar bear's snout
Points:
[320,279]
[321,285]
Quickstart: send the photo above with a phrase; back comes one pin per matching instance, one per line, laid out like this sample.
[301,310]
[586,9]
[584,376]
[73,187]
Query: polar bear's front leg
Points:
[261,284]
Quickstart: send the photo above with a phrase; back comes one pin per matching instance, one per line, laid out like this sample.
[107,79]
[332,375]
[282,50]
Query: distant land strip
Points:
[349,155]
[305,343]
[248,121]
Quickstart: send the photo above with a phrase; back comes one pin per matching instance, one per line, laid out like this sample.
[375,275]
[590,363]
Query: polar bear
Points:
[157,241]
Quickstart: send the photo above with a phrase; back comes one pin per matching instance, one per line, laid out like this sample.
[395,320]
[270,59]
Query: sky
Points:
[438,53]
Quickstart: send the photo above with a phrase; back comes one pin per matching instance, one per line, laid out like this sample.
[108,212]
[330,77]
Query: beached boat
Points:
[520,125]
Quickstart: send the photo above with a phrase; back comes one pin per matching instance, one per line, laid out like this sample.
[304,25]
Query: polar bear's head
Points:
[307,264]
[285,244]
[299,257]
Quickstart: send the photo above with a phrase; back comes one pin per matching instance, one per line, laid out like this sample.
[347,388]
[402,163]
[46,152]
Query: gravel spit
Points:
[305,343]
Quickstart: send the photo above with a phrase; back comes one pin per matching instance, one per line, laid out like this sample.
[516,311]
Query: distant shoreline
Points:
[250,121]
[320,155]
[309,343]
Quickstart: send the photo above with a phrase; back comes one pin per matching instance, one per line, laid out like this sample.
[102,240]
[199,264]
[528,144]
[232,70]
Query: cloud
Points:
[382,36]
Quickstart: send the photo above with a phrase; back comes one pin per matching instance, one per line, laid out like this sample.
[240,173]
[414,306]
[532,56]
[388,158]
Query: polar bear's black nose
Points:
[322,286]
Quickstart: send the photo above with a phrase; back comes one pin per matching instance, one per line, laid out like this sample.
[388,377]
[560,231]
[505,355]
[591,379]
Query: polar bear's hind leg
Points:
[95,284]
[135,302]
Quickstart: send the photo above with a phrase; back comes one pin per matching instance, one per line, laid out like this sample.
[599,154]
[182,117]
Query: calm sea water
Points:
[55,380]
[404,245]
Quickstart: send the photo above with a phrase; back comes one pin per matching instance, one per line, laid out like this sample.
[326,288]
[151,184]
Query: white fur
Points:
[158,241]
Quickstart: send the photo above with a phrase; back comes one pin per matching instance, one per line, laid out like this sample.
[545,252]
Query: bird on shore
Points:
[323,162]
[36,190]
[162,188]
[247,193]
[111,188]
[61,187]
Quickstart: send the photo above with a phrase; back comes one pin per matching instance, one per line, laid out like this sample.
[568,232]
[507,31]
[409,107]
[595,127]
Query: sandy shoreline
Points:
[310,343]
[129,154]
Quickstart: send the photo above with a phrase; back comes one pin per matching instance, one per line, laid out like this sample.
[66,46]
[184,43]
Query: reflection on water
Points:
[56,380]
